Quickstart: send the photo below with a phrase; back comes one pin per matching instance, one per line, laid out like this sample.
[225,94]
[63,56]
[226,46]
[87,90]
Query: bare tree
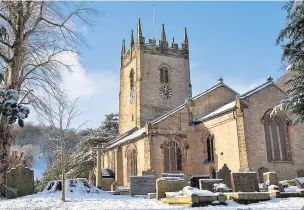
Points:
[33,34]
[59,115]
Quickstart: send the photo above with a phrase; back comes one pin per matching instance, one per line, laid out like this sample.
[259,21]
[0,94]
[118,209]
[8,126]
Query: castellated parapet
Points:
[162,48]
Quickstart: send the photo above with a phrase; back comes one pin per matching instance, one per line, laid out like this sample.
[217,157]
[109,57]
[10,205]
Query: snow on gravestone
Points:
[142,185]
[19,182]
[244,182]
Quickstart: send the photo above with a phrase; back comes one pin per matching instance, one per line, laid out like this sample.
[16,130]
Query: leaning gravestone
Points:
[300,173]
[300,182]
[142,185]
[19,182]
[194,180]
[244,182]
[224,174]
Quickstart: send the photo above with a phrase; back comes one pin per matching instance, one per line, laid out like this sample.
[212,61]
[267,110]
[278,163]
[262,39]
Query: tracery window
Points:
[131,79]
[210,148]
[276,137]
[164,75]
[172,156]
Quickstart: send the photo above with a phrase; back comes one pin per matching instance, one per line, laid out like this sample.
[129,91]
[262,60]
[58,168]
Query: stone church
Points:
[163,127]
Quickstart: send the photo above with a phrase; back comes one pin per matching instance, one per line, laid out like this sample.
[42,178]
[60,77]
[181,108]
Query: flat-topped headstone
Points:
[169,184]
[300,173]
[19,182]
[194,180]
[173,175]
[244,182]
[208,184]
[142,185]
[300,182]
[224,174]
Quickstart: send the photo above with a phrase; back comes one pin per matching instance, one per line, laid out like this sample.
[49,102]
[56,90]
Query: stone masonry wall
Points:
[255,136]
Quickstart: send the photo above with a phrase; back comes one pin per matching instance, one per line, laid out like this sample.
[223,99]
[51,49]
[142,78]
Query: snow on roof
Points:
[164,116]
[213,88]
[180,107]
[225,108]
[134,135]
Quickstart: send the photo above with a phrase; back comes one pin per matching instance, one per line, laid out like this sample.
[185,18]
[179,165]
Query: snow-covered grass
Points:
[108,201]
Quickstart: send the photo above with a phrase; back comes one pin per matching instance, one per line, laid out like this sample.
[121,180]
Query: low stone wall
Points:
[164,185]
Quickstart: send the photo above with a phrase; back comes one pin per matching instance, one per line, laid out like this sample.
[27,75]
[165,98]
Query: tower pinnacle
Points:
[163,33]
[139,37]
[132,39]
[123,47]
[185,36]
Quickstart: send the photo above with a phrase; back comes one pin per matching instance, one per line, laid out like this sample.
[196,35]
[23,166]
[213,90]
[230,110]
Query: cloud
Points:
[97,91]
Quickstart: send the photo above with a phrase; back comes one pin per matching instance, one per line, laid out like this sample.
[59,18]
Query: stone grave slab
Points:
[194,180]
[208,184]
[19,182]
[224,174]
[142,185]
[244,182]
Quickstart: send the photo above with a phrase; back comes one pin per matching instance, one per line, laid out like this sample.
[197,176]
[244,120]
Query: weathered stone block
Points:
[168,185]
[208,184]
[300,182]
[142,185]
[244,182]
[19,182]
[275,193]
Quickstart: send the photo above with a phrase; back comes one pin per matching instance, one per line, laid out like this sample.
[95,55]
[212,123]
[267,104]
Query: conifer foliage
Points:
[291,38]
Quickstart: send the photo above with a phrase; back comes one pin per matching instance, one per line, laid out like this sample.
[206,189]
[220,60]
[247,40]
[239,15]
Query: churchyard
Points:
[228,190]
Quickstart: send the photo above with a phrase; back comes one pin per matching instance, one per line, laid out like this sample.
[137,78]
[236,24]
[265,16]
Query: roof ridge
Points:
[260,87]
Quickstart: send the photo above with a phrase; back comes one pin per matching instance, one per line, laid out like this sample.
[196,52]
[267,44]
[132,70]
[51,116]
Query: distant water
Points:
[39,165]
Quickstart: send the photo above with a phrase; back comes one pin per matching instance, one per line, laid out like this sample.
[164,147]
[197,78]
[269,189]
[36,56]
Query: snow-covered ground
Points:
[107,201]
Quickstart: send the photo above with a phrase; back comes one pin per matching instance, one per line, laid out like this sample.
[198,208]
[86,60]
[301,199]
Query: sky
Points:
[232,40]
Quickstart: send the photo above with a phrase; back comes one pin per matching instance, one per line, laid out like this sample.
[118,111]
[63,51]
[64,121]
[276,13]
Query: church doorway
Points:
[131,162]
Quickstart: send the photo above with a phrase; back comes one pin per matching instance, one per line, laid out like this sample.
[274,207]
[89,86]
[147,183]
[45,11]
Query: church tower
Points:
[153,79]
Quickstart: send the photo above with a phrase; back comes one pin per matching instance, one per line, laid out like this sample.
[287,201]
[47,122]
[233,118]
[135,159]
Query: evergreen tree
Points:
[82,161]
[291,38]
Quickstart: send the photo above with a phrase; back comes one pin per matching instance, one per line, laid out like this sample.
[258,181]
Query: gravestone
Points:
[194,180]
[208,184]
[261,172]
[271,177]
[244,182]
[19,182]
[300,182]
[224,174]
[169,184]
[142,185]
[173,175]
[300,173]
[148,172]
